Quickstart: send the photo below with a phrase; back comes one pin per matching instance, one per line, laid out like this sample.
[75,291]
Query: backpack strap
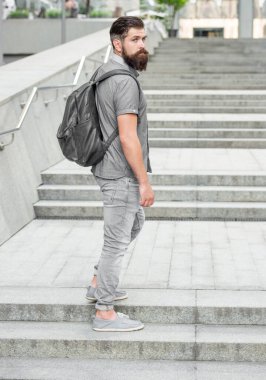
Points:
[109,74]
[112,73]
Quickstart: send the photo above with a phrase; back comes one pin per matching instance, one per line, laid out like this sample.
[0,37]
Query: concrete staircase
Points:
[211,78]
[179,325]
[206,64]
[231,196]
[220,118]
[207,77]
[192,331]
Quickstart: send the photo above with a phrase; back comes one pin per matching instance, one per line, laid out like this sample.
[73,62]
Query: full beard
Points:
[138,60]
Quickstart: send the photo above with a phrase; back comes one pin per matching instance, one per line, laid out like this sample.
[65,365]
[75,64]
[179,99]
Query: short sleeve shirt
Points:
[119,95]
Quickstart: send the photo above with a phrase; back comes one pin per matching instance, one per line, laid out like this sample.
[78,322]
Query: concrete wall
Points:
[245,15]
[35,147]
[33,36]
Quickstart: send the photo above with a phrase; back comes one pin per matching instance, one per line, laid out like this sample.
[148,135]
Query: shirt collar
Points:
[118,59]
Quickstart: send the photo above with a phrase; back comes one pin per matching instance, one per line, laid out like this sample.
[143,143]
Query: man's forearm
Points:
[133,153]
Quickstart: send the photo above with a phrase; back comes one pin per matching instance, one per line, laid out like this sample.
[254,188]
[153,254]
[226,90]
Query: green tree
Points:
[174,6]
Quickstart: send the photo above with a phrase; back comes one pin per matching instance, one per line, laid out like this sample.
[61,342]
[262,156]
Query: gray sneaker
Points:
[119,294]
[121,323]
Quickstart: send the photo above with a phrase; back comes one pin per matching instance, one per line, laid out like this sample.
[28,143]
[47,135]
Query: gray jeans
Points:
[123,220]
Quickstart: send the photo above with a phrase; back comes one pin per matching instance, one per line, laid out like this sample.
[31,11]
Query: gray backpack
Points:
[79,135]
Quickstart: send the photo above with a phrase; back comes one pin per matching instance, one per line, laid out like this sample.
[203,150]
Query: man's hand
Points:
[146,195]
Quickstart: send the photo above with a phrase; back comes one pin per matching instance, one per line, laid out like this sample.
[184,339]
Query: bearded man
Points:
[122,174]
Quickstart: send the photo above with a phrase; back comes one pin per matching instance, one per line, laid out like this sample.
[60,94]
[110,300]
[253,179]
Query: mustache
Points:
[141,51]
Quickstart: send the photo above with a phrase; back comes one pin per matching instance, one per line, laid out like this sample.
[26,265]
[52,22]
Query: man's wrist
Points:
[143,181]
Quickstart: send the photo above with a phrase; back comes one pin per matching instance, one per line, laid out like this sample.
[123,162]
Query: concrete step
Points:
[178,68]
[206,56]
[156,68]
[69,305]
[203,125]
[207,63]
[185,98]
[189,61]
[100,369]
[245,46]
[240,143]
[209,76]
[194,59]
[68,369]
[160,210]
[193,85]
[151,84]
[207,133]
[205,109]
[162,193]
[81,176]
[167,306]
[258,95]
[189,101]
[103,369]
[207,120]
[211,51]
[155,341]
[196,79]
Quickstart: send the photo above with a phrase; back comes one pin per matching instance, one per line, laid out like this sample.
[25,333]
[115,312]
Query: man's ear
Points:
[117,45]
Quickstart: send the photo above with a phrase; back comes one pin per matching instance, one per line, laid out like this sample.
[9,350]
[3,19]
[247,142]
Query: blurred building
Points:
[218,18]
[116,7]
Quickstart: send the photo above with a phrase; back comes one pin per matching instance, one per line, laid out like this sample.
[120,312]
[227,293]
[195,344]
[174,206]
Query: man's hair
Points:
[121,26]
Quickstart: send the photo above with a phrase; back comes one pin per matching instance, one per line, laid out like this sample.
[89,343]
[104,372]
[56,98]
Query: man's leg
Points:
[138,223]
[137,226]
[121,204]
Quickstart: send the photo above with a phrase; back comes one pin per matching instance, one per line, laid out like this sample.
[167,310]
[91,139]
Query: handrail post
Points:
[107,54]
[26,107]
[79,70]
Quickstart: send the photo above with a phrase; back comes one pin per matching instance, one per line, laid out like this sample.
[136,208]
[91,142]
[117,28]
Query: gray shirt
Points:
[119,95]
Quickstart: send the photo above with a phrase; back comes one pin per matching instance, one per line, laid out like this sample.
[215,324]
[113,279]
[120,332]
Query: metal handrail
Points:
[27,105]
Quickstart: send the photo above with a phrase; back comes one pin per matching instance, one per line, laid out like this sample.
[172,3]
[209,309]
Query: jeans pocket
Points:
[108,188]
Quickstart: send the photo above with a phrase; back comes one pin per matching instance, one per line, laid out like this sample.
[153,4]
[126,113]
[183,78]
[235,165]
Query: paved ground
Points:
[167,254]
[178,255]
[208,160]
[171,160]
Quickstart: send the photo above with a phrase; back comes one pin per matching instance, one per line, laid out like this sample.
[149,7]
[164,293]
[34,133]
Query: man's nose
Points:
[141,44]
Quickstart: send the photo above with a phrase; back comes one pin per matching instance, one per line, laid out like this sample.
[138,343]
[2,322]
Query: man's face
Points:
[133,49]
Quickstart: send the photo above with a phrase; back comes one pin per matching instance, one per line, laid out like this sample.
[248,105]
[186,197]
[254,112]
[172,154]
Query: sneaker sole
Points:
[120,330]
[115,299]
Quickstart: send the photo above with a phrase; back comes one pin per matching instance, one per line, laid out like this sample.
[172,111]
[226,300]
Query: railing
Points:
[34,92]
